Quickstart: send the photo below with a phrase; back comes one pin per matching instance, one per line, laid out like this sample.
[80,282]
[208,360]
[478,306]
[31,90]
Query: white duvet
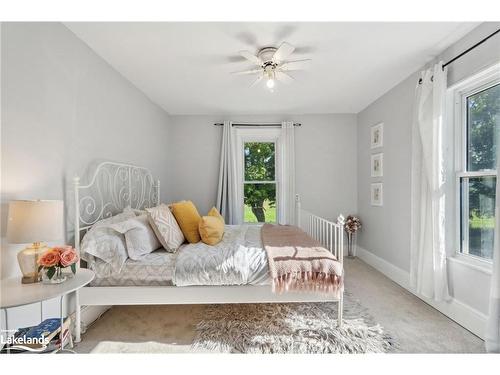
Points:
[239,259]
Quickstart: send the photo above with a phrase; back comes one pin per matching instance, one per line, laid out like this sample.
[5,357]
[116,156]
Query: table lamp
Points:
[34,221]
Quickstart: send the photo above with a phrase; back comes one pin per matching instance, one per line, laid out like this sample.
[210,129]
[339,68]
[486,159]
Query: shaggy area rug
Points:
[290,328]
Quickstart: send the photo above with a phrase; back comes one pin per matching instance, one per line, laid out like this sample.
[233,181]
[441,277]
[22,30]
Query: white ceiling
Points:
[186,67]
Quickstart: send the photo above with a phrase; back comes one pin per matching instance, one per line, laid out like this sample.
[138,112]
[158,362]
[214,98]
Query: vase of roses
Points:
[53,261]
[352,225]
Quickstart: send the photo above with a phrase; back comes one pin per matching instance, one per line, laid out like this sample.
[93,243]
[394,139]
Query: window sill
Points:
[471,262]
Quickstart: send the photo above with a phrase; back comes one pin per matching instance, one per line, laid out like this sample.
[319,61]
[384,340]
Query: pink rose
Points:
[62,249]
[68,256]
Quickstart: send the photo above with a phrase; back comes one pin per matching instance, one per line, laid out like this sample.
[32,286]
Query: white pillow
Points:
[165,227]
[105,243]
[139,236]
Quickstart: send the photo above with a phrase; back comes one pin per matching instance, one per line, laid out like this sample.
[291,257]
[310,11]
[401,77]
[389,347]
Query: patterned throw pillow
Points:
[165,227]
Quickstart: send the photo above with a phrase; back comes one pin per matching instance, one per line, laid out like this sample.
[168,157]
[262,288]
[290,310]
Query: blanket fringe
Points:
[309,281]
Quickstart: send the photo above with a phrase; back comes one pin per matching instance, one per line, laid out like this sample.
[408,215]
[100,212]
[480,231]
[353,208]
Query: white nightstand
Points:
[14,294]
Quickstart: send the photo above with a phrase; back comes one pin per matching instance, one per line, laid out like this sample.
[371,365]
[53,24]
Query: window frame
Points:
[457,110]
[245,135]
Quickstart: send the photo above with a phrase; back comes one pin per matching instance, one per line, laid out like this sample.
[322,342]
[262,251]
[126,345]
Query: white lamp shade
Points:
[35,221]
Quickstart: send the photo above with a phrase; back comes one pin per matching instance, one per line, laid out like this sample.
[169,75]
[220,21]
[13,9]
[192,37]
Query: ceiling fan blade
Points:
[259,78]
[283,52]
[251,71]
[251,57]
[284,77]
[294,65]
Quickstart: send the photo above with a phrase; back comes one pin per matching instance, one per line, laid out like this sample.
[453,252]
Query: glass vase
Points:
[56,278]
[351,245]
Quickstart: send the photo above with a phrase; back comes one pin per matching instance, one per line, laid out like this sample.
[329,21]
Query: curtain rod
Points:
[465,52]
[471,48]
[257,124]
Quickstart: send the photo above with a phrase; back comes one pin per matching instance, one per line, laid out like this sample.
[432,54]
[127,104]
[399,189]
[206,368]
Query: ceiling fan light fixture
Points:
[270,83]
[273,63]
[270,79]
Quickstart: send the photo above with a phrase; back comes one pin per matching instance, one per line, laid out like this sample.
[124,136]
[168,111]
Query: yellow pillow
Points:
[188,218]
[211,230]
[214,212]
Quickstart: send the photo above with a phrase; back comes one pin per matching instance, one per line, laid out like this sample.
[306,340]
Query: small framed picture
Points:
[377,135]
[377,194]
[377,165]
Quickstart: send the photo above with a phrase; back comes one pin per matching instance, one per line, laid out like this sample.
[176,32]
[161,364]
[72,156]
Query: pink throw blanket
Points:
[299,262]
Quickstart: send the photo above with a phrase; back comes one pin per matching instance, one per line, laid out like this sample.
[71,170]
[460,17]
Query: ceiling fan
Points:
[273,64]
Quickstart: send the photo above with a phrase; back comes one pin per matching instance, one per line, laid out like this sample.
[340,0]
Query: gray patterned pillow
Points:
[165,227]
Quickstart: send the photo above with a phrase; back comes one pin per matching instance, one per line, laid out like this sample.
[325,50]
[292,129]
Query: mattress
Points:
[154,269]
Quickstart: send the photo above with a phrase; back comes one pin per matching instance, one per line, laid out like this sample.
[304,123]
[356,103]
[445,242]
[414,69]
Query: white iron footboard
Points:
[328,233]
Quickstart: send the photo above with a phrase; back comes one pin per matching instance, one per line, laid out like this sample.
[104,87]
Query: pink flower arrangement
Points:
[58,257]
[352,224]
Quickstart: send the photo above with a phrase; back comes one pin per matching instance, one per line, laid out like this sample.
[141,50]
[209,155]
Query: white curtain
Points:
[228,202]
[286,203]
[492,337]
[428,252]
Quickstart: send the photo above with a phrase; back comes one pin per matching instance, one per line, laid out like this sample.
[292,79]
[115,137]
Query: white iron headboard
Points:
[113,187]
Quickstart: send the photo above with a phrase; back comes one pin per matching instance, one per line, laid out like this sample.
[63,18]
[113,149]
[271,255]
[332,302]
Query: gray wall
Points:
[386,231]
[325,160]
[62,108]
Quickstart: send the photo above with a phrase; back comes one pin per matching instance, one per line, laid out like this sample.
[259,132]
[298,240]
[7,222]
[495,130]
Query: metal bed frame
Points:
[114,186]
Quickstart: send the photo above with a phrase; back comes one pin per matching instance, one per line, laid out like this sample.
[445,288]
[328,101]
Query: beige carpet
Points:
[416,326]
[148,347]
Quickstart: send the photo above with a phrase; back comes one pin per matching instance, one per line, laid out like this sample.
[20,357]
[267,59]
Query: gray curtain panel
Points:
[227,189]
[286,213]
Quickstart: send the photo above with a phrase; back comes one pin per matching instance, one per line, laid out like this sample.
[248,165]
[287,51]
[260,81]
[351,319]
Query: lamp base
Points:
[28,262]
[30,279]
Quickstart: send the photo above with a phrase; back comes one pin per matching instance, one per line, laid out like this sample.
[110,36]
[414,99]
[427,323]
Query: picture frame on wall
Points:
[377,135]
[377,194]
[377,165]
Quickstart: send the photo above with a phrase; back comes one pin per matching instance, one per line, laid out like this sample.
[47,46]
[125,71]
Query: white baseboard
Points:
[463,314]
[393,272]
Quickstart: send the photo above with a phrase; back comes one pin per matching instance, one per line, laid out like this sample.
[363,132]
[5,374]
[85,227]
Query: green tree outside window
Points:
[260,182]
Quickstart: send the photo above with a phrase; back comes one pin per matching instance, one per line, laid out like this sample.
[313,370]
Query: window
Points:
[477,115]
[259,185]
[258,151]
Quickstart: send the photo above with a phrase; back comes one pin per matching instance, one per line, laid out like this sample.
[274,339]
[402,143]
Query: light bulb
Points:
[270,83]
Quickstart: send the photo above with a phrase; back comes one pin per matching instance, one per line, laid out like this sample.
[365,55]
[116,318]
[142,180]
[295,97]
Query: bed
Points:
[234,272]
